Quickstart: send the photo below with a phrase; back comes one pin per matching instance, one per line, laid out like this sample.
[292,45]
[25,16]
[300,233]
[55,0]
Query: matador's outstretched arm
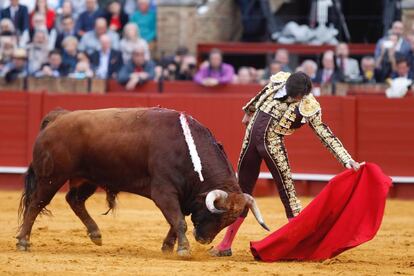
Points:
[329,140]
[311,110]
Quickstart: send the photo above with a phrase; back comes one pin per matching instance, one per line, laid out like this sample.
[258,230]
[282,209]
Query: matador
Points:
[281,107]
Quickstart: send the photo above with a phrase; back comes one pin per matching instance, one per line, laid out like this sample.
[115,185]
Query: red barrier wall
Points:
[372,128]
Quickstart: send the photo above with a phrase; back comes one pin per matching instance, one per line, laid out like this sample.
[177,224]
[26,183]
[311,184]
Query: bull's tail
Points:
[30,186]
[195,158]
[111,201]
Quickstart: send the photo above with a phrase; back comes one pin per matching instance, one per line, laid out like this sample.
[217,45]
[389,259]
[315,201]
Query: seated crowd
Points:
[77,39]
[115,40]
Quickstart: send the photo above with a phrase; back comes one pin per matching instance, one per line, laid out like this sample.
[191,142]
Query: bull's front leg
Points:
[171,210]
[169,241]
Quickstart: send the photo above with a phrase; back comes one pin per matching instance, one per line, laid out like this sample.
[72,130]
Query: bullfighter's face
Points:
[207,224]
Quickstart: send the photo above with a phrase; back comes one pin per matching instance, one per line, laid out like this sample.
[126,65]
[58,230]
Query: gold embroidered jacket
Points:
[291,115]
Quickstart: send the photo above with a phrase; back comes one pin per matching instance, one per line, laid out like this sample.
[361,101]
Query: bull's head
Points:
[219,211]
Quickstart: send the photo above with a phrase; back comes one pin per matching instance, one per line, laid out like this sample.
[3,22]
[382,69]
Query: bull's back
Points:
[106,143]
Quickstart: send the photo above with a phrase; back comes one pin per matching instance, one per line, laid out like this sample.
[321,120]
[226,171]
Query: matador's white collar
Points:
[280,93]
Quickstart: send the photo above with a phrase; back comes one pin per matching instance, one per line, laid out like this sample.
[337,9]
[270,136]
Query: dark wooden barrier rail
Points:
[55,85]
[97,86]
[249,48]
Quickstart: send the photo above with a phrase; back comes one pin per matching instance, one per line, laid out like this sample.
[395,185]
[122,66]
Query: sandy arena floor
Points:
[132,241]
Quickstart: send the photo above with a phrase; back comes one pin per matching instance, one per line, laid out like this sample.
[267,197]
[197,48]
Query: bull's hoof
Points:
[23,245]
[96,237]
[220,253]
[167,249]
[185,253]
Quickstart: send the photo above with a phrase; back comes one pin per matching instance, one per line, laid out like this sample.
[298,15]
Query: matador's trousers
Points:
[263,143]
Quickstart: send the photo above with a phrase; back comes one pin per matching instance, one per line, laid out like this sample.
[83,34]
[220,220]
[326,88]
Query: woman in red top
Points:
[42,8]
[116,17]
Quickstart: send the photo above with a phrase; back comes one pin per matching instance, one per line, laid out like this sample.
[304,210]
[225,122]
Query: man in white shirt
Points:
[104,54]
[328,73]
[106,61]
[18,14]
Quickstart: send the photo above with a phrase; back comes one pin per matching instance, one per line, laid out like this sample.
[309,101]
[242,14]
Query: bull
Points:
[157,153]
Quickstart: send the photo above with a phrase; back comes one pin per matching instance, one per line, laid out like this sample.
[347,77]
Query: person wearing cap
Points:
[17,67]
[281,107]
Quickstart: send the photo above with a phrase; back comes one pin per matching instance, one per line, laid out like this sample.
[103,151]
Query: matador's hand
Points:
[246,119]
[354,165]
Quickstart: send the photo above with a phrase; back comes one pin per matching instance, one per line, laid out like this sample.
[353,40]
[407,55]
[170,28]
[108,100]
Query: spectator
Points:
[244,76]
[179,66]
[328,73]
[282,56]
[385,63]
[68,29]
[104,3]
[17,68]
[54,4]
[402,46]
[130,40]
[146,19]
[86,20]
[349,67]
[78,7]
[273,68]
[410,56]
[37,51]
[402,69]
[7,33]
[83,57]
[42,8]
[215,72]
[82,71]
[368,70]
[70,52]
[83,68]
[30,4]
[18,14]
[115,17]
[39,24]
[130,6]
[188,68]
[106,62]
[90,41]
[54,68]
[7,27]
[309,67]
[184,70]
[137,71]
[66,11]
[7,46]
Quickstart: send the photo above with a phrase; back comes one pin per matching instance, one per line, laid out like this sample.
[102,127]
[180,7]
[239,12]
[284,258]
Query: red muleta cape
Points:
[346,213]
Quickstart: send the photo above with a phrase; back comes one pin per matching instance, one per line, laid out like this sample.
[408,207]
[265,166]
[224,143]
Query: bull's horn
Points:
[251,203]
[213,196]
